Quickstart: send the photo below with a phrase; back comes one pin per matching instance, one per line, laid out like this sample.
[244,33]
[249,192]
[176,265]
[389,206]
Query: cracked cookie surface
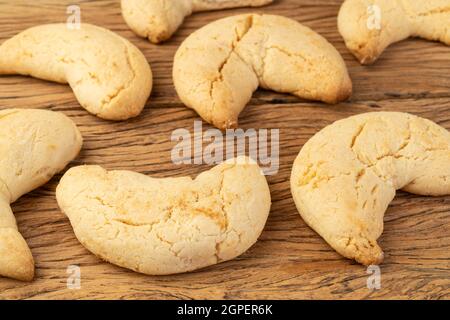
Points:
[166,226]
[217,68]
[34,145]
[345,177]
[370,26]
[109,76]
[157,20]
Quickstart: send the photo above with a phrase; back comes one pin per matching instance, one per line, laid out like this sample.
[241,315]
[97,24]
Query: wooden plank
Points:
[290,260]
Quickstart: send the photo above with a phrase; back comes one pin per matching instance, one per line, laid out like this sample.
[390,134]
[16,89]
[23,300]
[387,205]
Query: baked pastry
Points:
[346,175]
[34,145]
[158,20]
[110,76]
[166,226]
[218,67]
[370,26]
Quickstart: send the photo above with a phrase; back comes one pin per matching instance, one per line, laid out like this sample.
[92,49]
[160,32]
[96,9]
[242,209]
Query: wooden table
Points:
[290,260]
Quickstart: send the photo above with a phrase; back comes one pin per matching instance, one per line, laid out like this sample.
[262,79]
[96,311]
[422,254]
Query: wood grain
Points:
[290,260]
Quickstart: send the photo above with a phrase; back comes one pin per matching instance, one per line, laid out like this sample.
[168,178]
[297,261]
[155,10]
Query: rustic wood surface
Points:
[290,260]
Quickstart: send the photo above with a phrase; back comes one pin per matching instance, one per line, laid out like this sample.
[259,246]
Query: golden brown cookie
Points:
[109,76]
[217,68]
[158,20]
[166,226]
[34,145]
[370,26]
[346,176]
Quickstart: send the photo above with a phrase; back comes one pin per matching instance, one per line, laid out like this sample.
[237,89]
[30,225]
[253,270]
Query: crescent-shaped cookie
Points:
[109,76]
[218,67]
[158,20]
[370,26]
[34,145]
[166,226]
[346,175]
